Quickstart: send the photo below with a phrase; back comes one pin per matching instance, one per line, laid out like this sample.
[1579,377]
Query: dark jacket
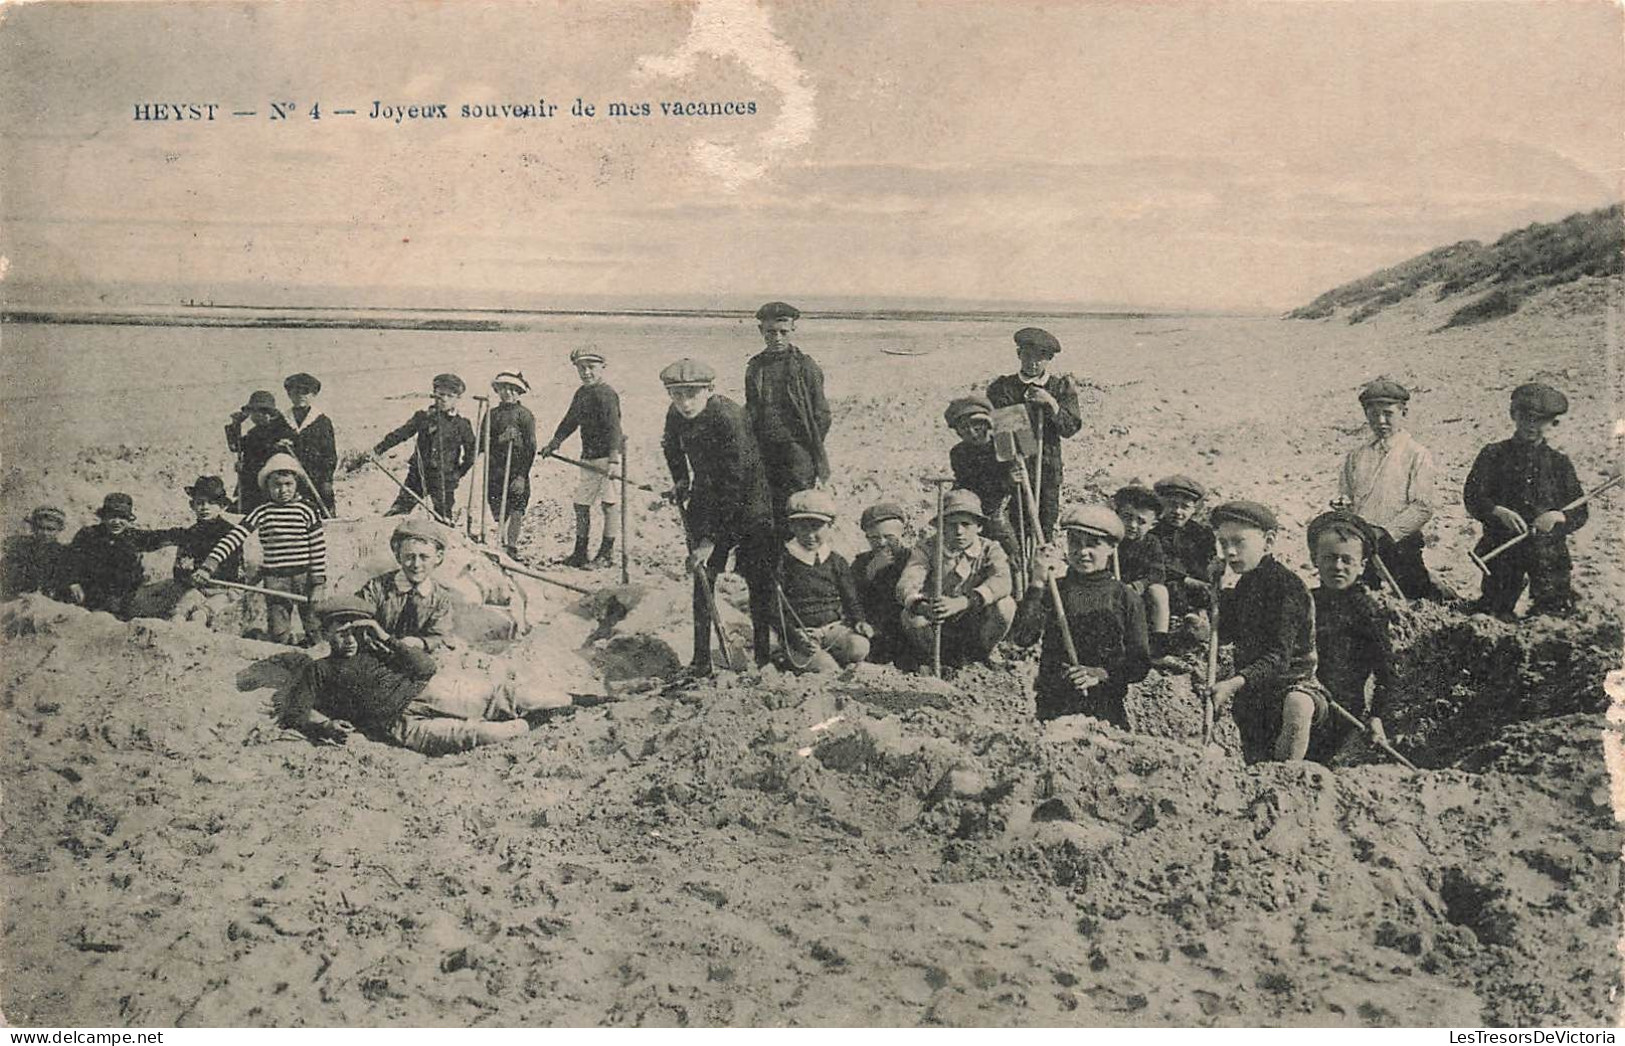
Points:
[1189,550]
[1107,623]
[1528,478]
[254,448]
[796,408]
[979,470]
[445,443]
[106,565]
[1271,620]
[717,455]
[316,447]
[32,564]
[1008,390]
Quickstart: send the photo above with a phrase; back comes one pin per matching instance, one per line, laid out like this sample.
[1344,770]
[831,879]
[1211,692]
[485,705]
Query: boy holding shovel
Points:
[1051,402]
[975,607]
[509,430]
[596,410]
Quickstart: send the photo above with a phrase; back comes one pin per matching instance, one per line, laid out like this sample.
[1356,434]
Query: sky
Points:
[1175,155]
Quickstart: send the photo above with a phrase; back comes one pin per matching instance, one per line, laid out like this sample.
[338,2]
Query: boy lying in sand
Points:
[391,692]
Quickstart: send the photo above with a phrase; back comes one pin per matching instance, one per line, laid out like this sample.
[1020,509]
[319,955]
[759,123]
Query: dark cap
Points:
[960,501]
[964,408]
[1177,484]
[879,512]
[1247,513]
[688,373]
[209,488]
[341,610]
[1343,521]
[777,310]
[121,506]
[1384,390]
[260,400]
[449,383]
[1093,519]
[1540,400]
[302,382]
[413,528]
[48,514]
[1037,338]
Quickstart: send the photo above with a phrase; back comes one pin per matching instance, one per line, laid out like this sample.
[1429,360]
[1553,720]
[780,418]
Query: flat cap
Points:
[449,383]
[1540,400]
[209,488]
[1093,519]
[278,463]
[1037,338]
[260,400]
[1342,521]
[810,504]
[117,505]
[512,378]
[414,528]
[965,408]
[777,310]
[1177,484]
[960,501]
[48,514]
[1384,390]
[879,512]
[586,354]
[1247,513]
[341,610]
[687,372]
[302,382]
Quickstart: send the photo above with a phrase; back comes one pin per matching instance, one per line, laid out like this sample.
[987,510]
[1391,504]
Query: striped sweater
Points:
[290,538]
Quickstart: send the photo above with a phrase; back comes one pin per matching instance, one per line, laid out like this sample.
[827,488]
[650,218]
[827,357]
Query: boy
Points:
[1275,699]
[722,493]
[977,468]
[1187,543]
[784,400]
[292,545]
[392,692]
[1141,560]
[409,603]
[313,443]
[1105,618]
[34,561]
[509,426]
[1520,485]
[270,434]
[1052,403]
[596,410]
[183,600]
[1351,635]
[976,607]
[102,565]
[442,456]
[876,572]
[1390,482]
[817,595]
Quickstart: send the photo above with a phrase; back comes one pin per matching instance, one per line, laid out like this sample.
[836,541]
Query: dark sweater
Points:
[1352,644]
[370,690]
[315,446]
[1142,560]
[515,420]
[716,449]
[596,410]
[1528,478]
[193,545]
[1271,620]
[877,587]
[821,594]
[1107,623]
[784,402]
[32,564]
[979,470]
[1188,550]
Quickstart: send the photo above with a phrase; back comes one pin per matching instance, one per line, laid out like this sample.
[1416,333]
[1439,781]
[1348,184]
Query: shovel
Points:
[1012,436]
[606,472]
[373,459]
[1014,440]
[1483,562]
[1384,745]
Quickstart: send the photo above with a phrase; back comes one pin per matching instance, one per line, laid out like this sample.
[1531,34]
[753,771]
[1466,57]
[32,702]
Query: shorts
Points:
[594,487]
[1258,716]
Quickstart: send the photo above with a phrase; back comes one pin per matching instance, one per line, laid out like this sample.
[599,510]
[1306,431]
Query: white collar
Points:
[972,551]
[310,419]
[1042,379]
[805,555]
[425,588]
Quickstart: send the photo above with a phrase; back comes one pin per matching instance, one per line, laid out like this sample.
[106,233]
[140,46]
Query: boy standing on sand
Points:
[1274,696]
[442,456]
[876,572]
[33,561]
[313,442]
[293,546]
[1186,541]
[976,607]
[509,434]
[819,600]
[270,434]
[1518,486]
[1052,405]
[1390,481]
[976,466]
[723,494]
[409,603]
[784,400]
[1351,635]
[1105,618]
[596,410]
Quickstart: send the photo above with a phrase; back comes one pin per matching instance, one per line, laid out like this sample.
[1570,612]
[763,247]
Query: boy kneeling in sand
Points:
[817,596]
[976,608]
[1275,699]
[876,572]
[392,692]
[1104,616]
[1351,635]
[409,603]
